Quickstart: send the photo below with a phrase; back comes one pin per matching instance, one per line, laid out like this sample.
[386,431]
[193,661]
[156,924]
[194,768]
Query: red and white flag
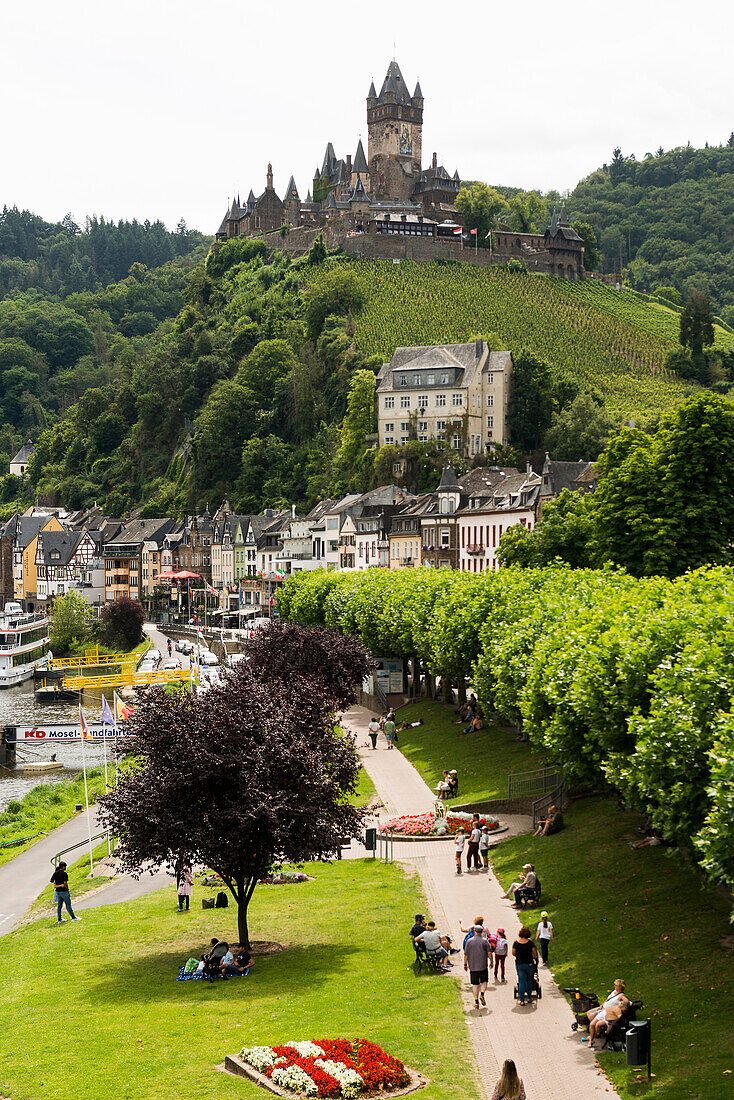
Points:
[210,590]
[457,232]
[472,232]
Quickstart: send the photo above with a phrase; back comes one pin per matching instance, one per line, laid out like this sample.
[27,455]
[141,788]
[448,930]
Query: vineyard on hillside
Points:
[606,339]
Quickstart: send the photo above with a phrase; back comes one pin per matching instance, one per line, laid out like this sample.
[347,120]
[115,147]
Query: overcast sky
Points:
[160,109]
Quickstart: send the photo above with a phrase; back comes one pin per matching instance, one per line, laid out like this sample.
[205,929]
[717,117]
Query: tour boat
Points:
[23,644]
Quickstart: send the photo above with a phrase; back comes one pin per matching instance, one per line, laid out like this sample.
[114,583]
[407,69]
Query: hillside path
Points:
[551,1059]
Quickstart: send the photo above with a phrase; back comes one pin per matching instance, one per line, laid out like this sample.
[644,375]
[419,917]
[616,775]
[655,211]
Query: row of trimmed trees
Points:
[623,681]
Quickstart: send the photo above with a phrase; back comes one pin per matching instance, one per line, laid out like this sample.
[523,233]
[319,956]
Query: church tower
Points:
[394,137]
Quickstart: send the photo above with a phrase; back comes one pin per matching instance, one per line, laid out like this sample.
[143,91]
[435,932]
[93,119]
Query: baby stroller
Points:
[581,1003]
[213,961]
[536,992]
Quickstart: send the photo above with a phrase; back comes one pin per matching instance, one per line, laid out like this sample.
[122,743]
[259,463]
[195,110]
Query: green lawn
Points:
[483,761]
[116,1024]
[642,916]
[366,790]
[45,808]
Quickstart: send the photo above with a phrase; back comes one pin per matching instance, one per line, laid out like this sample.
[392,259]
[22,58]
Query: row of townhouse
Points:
[244,558]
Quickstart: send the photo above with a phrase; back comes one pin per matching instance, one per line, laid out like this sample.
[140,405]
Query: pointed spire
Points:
[563,217]
[372,94]
[291,191]
[456,175]
[394,85]
[417,94]
[360,160]
[234,211]
[251,200]
[358,192]
[308,196]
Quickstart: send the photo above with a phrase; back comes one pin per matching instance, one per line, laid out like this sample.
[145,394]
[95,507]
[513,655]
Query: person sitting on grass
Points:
[469,713]
[608,1012]
[410,725]
[239,963]
[474,726]
[435,944]
[553,823]
[453,782]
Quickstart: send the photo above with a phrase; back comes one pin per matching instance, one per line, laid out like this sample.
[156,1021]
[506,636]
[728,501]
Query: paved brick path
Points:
[551,1059]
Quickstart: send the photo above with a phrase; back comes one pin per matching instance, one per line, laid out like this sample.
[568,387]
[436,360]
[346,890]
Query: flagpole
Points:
[86,792]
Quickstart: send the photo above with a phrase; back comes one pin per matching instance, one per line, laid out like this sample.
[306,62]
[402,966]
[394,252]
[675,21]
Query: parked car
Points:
[206,657]
[170,664]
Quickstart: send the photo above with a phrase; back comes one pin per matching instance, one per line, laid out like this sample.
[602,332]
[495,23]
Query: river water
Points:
[17,705]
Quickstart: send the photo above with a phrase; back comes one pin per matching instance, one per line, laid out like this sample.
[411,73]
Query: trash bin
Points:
[639,1037]
[370,840]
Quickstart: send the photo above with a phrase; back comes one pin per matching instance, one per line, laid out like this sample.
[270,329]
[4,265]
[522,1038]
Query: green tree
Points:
[528,212]
[580,430]
[530,408]
[696,325]
[563,533]
[350,463]
[122,623]
[338,292]
[591,251]
[480,206]
[70,616]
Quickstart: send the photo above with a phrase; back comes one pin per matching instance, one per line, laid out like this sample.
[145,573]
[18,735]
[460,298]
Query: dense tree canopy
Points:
[252,771]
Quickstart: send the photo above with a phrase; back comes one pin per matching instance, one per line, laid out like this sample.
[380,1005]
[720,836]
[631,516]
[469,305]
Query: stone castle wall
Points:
[384,246]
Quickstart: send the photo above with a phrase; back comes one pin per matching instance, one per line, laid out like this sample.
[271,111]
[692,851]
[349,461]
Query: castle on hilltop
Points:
[386,204]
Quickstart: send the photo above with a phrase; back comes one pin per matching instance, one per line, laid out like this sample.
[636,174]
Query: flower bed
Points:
[329,1067]
[430,825]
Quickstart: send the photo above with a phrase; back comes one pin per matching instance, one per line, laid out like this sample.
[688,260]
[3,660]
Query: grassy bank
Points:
[45,808]
[483,760]
[643,916]
[124,1028]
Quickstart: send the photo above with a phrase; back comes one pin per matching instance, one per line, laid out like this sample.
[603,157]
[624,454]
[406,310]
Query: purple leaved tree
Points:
[249,773]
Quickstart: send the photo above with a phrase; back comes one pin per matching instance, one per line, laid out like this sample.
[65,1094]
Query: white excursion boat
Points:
[23,643]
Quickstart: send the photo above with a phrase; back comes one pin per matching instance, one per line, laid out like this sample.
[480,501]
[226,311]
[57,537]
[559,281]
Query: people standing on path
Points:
[509,1086]
[472,853]
[477,955]
[525,954]
[373,729]
[62,896]
[500,954]
[459,841]
[543,936]
[185,882]
[389,729]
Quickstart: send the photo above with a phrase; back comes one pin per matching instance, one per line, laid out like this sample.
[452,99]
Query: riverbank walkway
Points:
[551,1059]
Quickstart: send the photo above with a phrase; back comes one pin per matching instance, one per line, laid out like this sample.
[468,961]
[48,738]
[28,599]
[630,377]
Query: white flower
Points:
[349,1079]
[294,1078]
[261,1058]
[305,1048]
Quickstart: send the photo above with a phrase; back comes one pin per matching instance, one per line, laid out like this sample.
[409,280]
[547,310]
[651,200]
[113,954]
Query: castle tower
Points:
[394,136]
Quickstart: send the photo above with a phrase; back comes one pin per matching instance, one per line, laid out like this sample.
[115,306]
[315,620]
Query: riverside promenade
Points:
[551,1059]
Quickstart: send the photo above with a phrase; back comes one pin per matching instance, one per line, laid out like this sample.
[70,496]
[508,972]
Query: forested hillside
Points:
[261,388]
[668,219]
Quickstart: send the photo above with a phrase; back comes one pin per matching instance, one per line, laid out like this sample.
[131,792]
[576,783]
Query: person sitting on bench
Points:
[608,1012]
[527,890]
[435,945]
[553,823]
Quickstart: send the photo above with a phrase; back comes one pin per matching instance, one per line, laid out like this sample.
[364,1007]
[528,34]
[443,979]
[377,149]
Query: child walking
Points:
[484,848]
[500,954]
[543,936]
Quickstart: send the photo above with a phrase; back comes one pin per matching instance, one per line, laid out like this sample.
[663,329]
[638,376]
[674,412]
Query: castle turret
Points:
[394,128]
[269,184]
[292,202]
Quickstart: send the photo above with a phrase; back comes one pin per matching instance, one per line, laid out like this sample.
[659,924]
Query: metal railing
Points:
[536,782]
[556,797]
[104,835]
